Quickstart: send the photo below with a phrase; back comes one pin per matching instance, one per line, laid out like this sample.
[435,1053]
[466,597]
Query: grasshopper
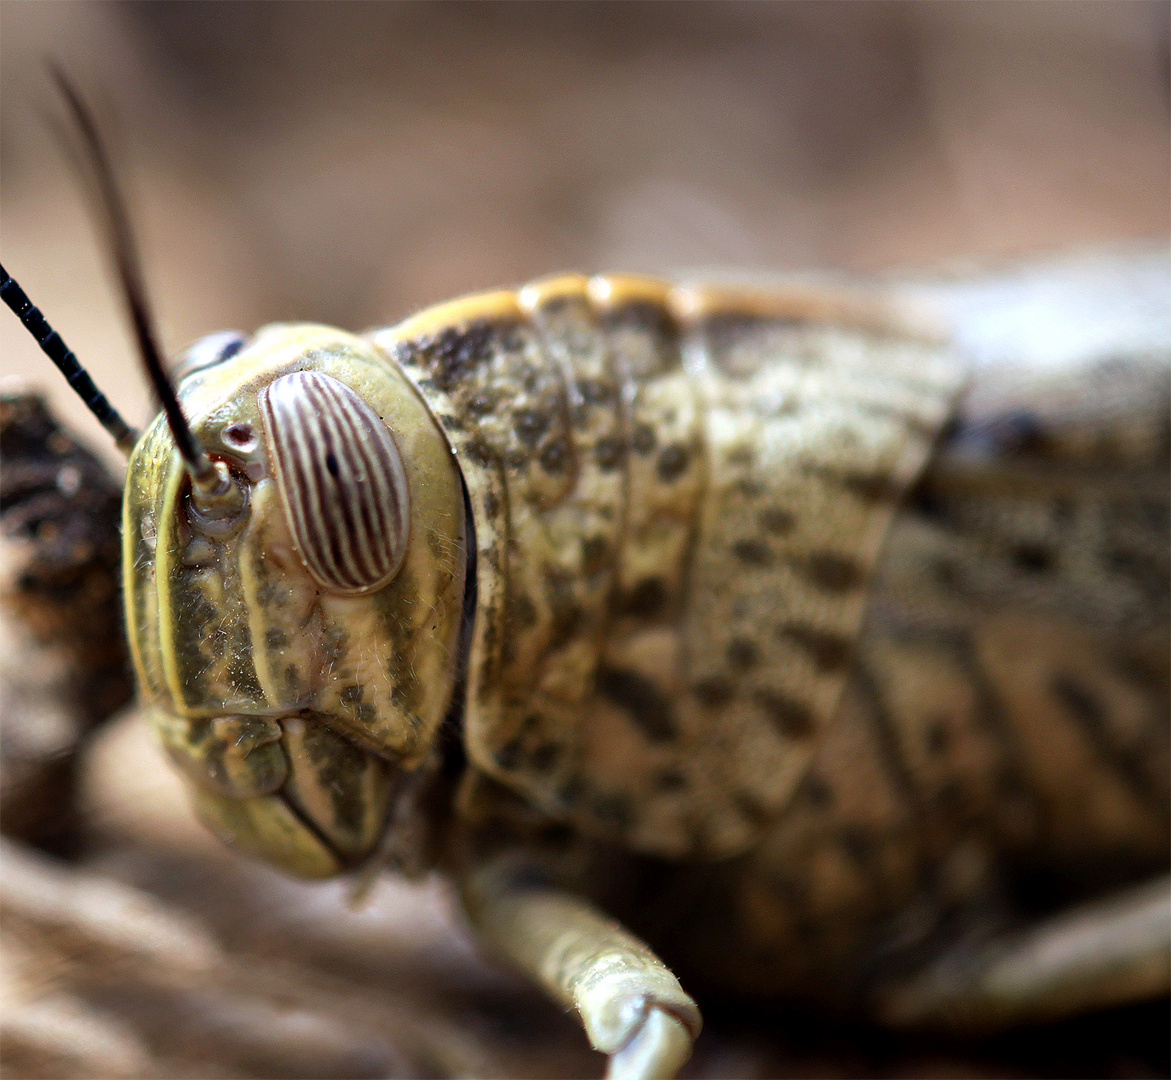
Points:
[770,636]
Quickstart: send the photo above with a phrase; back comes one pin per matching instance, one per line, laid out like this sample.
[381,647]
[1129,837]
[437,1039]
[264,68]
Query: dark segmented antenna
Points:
[56,350]
[204,475]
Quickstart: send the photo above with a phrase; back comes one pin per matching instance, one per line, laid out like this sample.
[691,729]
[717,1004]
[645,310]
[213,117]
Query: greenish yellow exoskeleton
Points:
[292,709]
[634,466]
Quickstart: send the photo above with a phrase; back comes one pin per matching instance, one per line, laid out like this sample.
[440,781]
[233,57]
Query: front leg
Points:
[630,1005]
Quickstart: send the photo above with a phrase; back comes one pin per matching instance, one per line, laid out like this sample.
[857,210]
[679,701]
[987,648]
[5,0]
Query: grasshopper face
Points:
[295,643]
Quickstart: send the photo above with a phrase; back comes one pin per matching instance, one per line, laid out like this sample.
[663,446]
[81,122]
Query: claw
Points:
[657,1049]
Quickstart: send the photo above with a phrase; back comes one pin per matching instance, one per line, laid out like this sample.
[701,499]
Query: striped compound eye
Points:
[341,480]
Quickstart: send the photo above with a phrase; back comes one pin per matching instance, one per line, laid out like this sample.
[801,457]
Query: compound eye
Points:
[341,480]
[207,352]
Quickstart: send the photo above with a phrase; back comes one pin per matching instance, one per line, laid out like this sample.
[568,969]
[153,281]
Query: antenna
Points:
[205,476]
[56,350]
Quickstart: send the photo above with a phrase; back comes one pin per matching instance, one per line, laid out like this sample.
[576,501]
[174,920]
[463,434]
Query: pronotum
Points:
[769,622]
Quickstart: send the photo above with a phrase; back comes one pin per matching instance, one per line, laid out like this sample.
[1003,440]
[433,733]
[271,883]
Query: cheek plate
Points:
[341,481]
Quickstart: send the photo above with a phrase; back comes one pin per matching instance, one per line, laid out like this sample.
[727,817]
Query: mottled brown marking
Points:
[742,654]
[508,755]
[831,572]
[713,692]
[776,520]
[790,717]
[753,552]
[857,844]
[643,438]
[936,735]
[646,599]
[648,707]
[1032,558]
[816,791]
[530,425]
[670,780]
[829,651]
[522,612]
[544,757]
[871,487]
[555,455]
[452,355]
[480,451]
[609,453]
[751,809]
[615,809]
[672,463]
[595,392]
[596,554]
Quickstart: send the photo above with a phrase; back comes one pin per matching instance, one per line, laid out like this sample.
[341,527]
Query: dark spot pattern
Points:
[670,780]
[713,692]
[595,392]
[555,455]
[753,552]
[1080,701]
[595,554]
[480,451]
[857,844]
[614,809]
[871,487]
[829,651]
[777,521]
[831,572]
[508,755]
[751,809]
[643,438]
[672,463]
[650,710]
[545,756]
[365,713]
[936,735]
[742,654]
[530,425]
[646,599]
[522,612]
[816,791]
[609,453]
[452,355]
[790,717]
[1032,558]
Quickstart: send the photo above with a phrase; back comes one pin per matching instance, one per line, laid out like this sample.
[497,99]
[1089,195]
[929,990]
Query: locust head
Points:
[294,620]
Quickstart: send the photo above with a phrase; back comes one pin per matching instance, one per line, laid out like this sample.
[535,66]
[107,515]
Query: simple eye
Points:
[341,480]
[207,352]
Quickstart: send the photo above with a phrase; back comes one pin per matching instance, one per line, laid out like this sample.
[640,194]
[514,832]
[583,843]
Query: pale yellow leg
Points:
[630,1005]
[1111,952]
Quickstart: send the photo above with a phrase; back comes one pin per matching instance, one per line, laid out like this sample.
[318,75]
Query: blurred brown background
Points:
[350,162]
